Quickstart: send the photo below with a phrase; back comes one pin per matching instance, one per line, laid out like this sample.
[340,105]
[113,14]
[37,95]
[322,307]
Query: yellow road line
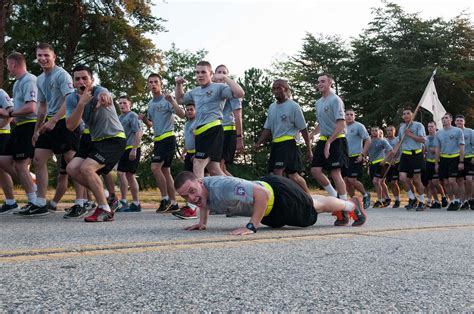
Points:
[226,242]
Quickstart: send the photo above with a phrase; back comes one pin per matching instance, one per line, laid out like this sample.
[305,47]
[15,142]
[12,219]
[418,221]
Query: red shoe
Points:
[100,215]
[186,212]
[358,214]
[342,218]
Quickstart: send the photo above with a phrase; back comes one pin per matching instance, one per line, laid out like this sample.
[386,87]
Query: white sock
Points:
[10,201]
[397,198]
[136,202]
[191,205]
[411,195]
[31,197]
[343,197]
[40,201]
[105,207]
[165,197]
[123,200]
[174,202]
[348,206]
[422,198]
[328,188]
[53,203]
[79,202]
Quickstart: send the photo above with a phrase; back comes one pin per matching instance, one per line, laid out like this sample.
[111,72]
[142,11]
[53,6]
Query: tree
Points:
[4,9]
[109,36]
[257,99]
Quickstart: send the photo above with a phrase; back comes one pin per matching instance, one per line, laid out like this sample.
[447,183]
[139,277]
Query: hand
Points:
[47,126]
[133,154]
[104,99]
[169,98]
[239,145]
[460,166]
[179,80]
[241,232]
[359,159]
[198,226]
[34,138]
[86,97]
[327,146]
[141,116]
[219,77]
[408,132]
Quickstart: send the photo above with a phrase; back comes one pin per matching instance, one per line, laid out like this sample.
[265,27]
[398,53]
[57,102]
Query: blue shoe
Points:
[123,206]
[133,208]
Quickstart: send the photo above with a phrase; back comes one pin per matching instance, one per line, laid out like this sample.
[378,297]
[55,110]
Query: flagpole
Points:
[397,148]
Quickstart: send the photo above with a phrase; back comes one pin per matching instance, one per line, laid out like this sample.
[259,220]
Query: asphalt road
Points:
[399,261]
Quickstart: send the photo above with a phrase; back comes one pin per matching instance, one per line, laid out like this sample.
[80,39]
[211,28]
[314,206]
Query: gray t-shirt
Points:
[356,133]
[285,119]
[448,140]
[161,113]
[228,113]
[5,102]
[393,142]
[468,141]
[328,111]
[408,143]
[229,195]
[378,148]
[103,122]
[430,143]
[209,101]
[53,87]
[189,140]
[24,91]
[131,125]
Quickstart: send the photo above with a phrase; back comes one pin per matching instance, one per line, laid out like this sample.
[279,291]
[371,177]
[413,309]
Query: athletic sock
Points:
[191,205]
[343,197]
[10,201]
[53,204]
[348,206]
[123,200]
[411,195]
[40,201]
[328,188]
[397,198]
[422,198]
[165,197]
[105,207]
[136,202]
[31,197]
[79,202]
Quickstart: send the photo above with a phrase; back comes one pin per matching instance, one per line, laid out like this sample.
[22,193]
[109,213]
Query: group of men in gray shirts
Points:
[76,120]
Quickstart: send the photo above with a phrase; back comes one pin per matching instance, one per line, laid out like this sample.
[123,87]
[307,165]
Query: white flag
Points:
[430,102]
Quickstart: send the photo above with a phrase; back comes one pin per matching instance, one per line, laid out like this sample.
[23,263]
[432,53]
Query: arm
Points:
[315,131]
[266,133]
[179,89]
[5,121]
[203,217]
[27,109]
[177,108]
[305,135]
[340,126]
[261,197]
[239,130]
[41,116]
[136,143]
[51,123]
[74,120]
[237,91]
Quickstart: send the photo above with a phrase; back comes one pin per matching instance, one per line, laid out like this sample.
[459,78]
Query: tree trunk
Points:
[4,8]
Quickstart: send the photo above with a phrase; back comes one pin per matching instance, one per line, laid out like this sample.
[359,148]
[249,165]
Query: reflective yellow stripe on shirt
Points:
[325,138]
[191,151]
[206,127]
[5,131]
[50,117]
[229,127]
[119,135]
[130,147]
[271,200]
[468,156]
[376,161]
[25,122]
[409,152]
[450,155]
[163,136]
[430,160]
[355,155]
[86,131]
[283,138]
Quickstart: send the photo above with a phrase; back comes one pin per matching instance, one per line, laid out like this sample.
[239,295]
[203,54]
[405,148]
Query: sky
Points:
[244,34]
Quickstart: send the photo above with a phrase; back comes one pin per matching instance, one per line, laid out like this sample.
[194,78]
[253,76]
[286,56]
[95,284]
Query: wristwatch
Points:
[251,227]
